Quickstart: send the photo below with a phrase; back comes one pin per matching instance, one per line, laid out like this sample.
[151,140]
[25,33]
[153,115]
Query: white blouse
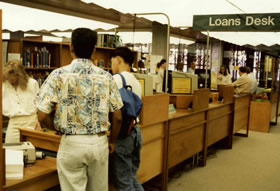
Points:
[16,102]
[224,80]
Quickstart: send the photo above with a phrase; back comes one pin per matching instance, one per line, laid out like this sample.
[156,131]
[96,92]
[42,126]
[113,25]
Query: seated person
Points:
[224,77]
[191,69]
[243,83]
[254,83]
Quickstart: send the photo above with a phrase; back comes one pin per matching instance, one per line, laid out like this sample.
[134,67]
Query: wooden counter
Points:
[170,139]
[241,113]
[48,140]
[41,176]
[154,126]
[186,135]
[219,119]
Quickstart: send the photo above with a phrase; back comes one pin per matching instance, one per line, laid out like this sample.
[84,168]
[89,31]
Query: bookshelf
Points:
[59,55]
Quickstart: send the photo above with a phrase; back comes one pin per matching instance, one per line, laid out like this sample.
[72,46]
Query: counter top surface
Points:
[240,95]
[40,168]
[185,112]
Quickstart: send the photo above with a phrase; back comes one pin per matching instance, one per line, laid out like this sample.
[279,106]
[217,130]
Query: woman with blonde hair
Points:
[18,95]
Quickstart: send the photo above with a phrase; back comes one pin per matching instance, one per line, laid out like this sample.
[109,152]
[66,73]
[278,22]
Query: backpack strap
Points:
[123,80]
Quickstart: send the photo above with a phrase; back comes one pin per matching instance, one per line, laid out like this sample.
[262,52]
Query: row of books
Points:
[38,58]
[39,77]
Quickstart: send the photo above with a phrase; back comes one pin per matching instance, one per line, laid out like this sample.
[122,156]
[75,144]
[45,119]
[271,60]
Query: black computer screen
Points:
[202,76]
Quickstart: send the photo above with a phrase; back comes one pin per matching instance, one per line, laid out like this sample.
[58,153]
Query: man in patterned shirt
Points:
[83,95]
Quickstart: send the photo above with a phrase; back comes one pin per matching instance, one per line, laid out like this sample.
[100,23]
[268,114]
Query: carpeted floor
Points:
[253,164]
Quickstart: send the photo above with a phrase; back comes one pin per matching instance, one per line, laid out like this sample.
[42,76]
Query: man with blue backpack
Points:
[125,157]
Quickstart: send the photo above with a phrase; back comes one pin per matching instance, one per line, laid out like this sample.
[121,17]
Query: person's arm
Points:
[115,105]
[46,101]
[228,78]
[116,121]
[46,120]
[238,82]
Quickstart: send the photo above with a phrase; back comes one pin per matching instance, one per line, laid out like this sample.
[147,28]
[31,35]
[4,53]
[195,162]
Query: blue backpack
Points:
[132,106]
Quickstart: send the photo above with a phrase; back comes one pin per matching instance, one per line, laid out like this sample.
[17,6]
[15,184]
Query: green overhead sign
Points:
[237,22]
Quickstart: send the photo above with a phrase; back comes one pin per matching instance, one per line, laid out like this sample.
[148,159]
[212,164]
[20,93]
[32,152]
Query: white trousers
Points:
[82,163]
[12,133]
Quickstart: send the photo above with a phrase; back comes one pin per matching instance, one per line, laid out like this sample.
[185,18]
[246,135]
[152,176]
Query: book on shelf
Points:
[39,77]
[37,58]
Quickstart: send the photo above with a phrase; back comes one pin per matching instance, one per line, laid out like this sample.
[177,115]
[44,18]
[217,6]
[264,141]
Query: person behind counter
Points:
[191,69]
[224,77]
[125,159]
[243,83]
[159,82]
[18,95]
[254,83]
[83,96]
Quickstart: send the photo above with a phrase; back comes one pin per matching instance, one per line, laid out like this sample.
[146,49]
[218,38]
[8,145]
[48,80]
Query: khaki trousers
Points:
[12,134]
[82,163]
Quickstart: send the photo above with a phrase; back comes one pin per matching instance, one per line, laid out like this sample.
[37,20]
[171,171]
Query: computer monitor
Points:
[180,82]
[202,76]
[146,82]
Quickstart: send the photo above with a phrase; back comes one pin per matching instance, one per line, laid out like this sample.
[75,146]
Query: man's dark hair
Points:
[83,41]
[243,69]
[248,70]
[125,53]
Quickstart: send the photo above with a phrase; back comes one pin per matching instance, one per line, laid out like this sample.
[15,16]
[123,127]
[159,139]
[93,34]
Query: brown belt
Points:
[99,134]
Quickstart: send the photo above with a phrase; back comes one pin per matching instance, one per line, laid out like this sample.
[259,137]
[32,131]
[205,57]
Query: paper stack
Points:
[14,164]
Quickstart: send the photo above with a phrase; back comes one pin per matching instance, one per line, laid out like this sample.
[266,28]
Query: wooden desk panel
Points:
[152,133]
[155,109]
[218,129]
[241,101]
[216,112]
[186,122]
[241,113]
[41,176]
[240,120]
[151,159]
[260,116]
[185,144]
[152,152]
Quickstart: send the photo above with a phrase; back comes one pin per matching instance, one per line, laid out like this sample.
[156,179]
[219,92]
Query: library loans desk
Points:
[169,139]
[40,176]
[193,132]
[241,114]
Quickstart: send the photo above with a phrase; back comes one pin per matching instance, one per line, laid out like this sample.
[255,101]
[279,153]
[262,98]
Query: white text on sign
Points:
[249,21]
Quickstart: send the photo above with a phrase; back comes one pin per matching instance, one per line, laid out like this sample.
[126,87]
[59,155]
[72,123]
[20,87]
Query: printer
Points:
[27,148]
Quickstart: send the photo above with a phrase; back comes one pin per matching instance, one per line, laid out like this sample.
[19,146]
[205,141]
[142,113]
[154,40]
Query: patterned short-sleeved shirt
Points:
[83,95]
